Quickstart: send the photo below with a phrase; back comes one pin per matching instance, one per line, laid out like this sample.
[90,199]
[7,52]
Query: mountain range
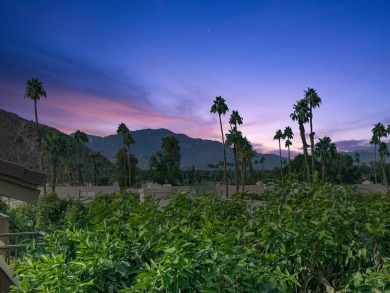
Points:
[18,144]
[194,151]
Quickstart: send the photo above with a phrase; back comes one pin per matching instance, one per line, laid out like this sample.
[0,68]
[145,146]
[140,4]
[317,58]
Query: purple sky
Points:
[160,64]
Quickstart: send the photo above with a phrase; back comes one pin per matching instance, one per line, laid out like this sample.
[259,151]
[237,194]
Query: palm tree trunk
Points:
[243,167]
[235,166]
[129,162]
[312,140]
[70,169]
[323,170]
[375,166]
[224,159]
[280,159]
[40,146]
[124,165]
[384,180]
[289,160]
[304,143]
[53,174]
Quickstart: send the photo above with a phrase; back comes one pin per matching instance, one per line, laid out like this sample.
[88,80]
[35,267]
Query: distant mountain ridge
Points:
[18,144]
[195,151]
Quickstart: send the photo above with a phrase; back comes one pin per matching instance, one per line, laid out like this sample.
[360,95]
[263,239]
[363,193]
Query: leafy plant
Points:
[302,237]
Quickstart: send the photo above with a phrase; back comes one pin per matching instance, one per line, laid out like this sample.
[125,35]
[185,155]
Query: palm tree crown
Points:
[325,149]
[235,119]
[219,106]
[34,89]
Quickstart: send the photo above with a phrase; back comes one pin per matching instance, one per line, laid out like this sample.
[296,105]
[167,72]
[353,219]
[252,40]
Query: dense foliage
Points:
[165,164]
[299,237]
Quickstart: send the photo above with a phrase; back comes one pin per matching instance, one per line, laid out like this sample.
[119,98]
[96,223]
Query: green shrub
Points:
[303,238]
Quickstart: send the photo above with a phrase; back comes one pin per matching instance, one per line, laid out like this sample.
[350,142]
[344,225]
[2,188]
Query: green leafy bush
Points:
[302,238]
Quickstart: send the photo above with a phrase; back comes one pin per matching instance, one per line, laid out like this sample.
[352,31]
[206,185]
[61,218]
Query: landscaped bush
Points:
[47,215]
[304,237]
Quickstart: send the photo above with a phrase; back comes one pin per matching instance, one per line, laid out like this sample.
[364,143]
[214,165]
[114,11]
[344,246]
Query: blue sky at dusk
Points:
[160,64]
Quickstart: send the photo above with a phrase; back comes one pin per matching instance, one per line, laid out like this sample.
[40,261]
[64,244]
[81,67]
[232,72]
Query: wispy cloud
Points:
[352,145]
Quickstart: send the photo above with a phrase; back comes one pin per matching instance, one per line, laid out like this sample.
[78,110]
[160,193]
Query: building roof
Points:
[18,182]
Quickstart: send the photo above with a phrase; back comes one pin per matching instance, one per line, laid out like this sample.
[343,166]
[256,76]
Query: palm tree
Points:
[128,140]
[279,135]
[301,114]
[122,129]
[383,151]
[34,91]
[232,138]
[245,150]
[357,158]
[375,141]
[325,150]
[378,132]
[70,150]
[94,156]
[314,101]
[54,146]
[261,161]
[235,119]
[81,138]
[219,106]
[289,134]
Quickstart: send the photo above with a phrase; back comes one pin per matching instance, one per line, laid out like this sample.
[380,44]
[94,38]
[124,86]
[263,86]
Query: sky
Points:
[160,64]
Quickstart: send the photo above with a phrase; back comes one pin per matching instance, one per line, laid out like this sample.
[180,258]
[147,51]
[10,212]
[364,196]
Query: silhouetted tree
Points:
[313,101]
[288,135]
[301,115]
[325,150]
[34,91]
[54,146]
[279,136]
[165,164]
[81,138]
[219,106]
[235,119]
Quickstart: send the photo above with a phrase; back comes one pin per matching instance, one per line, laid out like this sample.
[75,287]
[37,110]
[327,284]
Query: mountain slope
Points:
[18,142]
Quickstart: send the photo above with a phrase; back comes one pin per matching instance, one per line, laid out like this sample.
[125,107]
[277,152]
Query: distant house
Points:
[82,192]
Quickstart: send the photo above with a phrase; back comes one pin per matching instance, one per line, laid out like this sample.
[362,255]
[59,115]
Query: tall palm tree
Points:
[81,138]
[375,141]
[325,149]
[128,140]
[261,161]
[289,135]
[279,135]
[314,101]
[122,129]
[34,91]
[54,146]
[301,115]
[235,119]
[219,106]
[94,156]
[383,151]
[233,137]
[245,151]
[70,150]
[379,131]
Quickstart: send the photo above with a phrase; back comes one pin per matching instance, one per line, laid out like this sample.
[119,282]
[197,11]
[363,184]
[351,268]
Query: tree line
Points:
[164,165]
